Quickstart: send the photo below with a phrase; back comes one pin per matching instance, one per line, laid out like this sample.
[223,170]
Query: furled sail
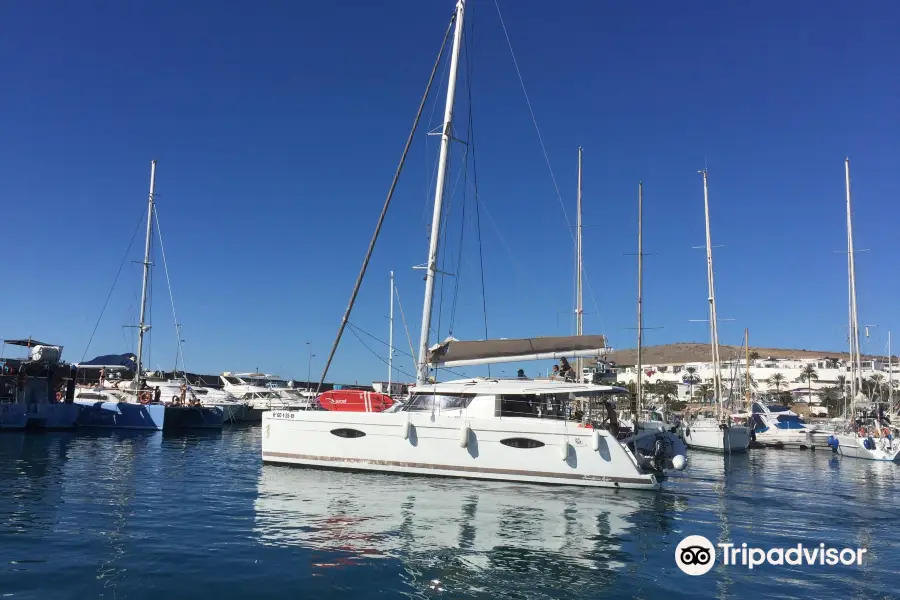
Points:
[454,353]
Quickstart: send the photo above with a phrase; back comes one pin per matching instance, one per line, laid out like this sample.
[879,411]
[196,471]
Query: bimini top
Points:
[510,387]
[29,343]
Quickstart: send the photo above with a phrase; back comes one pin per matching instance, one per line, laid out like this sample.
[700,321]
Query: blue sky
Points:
[278,126]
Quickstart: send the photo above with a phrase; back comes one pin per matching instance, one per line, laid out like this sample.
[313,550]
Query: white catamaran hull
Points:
[884,450]
[715,438]
[427,444]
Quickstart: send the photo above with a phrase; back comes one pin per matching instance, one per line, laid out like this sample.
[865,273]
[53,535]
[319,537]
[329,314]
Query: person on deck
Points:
[565,369]
[156,394]
[521,374]
[555,372]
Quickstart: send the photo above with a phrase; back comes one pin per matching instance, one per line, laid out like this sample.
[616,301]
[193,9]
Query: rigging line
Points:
[471,139]
[445,224]
[381,358]
[538,291]
[534,121]
[387,203]
[381,341]
[412,352]
[462,228]
[543,148]
[430,179]
[109,295]
[162,251]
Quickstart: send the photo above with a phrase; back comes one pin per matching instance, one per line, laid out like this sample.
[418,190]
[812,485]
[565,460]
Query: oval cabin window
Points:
[521,443]
[348,433]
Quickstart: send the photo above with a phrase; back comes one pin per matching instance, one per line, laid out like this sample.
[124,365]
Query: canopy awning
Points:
[129,361]
[454,353]
[28,343]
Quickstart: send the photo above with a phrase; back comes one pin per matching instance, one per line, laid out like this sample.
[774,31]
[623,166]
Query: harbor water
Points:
[148,515]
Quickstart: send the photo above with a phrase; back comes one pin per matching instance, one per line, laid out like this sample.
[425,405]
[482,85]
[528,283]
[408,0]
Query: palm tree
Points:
[875,384]
[842,383]
[690,378]
[809,374]
[754,355]
[667,390]
[776,381]
[705,391]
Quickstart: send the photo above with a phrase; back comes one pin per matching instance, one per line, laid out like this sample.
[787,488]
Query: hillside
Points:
[685,352]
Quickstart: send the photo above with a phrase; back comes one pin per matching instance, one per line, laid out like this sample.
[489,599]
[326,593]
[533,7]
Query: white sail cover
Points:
[452,352]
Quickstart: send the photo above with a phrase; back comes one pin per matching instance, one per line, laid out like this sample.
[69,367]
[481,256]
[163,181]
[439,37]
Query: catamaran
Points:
[714,432]
[481,428]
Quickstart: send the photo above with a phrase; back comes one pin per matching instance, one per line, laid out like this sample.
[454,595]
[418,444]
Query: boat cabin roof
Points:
[518,387]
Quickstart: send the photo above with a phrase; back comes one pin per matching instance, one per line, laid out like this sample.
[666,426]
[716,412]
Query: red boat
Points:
[355,401]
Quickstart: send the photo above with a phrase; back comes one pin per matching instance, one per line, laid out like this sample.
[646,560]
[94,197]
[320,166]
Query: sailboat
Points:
[480,428]
[867,439]
[655,439]
[136,406]
[718,433]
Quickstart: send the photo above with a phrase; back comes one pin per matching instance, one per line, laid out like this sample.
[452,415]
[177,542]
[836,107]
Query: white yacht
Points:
[257,398]
[780,427]
[476,428]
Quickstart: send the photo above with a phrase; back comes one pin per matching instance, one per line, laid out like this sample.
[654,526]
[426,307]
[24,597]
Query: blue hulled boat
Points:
[37,392]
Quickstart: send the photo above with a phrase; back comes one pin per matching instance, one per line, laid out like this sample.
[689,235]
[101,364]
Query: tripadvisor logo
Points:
[696,555]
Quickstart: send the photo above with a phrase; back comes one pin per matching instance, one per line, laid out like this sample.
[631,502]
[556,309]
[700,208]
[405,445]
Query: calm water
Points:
[151,516]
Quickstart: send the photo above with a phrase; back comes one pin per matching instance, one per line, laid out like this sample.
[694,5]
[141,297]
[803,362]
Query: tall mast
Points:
[713,324]
[855,358]
[144,286]
[391,338]
[579,306]
[890,378]
[443,160]
[640,307]
[747,360]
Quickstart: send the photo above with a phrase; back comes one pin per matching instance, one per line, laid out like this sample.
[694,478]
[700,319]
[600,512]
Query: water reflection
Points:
[451,530]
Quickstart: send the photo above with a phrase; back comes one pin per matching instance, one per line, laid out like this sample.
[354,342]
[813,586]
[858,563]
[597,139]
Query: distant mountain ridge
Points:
[689,352]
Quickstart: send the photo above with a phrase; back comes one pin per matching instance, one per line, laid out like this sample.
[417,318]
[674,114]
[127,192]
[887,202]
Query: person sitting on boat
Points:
[156,394]
[565,369]
[521,374]
[555,372]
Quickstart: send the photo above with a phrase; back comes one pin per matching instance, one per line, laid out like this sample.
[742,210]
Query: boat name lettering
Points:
[283,415]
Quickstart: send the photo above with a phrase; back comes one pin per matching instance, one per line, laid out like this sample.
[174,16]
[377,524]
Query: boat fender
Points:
[679,462]
[464,435]
[687,432]
[564,449]
[406,426]
[595,440]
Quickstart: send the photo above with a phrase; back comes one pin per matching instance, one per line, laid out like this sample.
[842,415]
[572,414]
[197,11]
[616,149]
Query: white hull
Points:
[713,438]
[852,446]
[434,446]
[792,438]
